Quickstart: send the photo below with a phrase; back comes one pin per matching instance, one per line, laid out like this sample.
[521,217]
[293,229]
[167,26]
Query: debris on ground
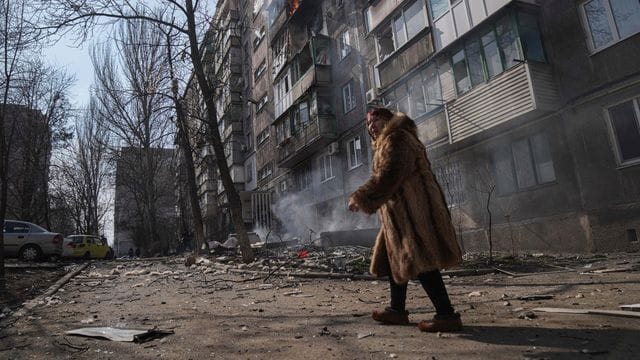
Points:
[535,297]
[632,307]
[621,313]
[123,335]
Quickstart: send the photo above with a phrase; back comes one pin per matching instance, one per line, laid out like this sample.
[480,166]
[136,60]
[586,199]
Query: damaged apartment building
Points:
[529,111]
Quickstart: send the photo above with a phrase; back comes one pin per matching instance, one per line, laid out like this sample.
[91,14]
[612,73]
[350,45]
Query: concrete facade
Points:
[529,115]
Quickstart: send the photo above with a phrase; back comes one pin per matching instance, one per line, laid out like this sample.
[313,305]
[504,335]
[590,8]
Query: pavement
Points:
[220,309]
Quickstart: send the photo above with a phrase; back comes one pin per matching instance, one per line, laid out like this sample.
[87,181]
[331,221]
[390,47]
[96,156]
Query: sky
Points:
[76,60]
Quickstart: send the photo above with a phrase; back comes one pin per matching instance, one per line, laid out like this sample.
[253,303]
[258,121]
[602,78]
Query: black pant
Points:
[431,283]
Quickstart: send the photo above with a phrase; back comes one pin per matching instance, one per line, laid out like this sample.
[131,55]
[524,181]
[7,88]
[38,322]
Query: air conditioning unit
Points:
[333,148]
[371,95]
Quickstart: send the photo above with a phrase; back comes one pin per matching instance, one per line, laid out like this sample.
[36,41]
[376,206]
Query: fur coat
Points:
[416,233]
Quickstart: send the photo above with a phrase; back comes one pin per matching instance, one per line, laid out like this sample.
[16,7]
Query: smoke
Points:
[302,218]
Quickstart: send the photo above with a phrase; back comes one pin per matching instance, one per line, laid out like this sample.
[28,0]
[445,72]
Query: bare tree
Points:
[43,89]
[189,19]
[82,176]
[130,103]
[18,39]
[485,185]
[185,148]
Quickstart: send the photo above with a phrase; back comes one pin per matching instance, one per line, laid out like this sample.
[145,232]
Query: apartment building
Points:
[528,109]
[494,86]
[28,142]
[144,201]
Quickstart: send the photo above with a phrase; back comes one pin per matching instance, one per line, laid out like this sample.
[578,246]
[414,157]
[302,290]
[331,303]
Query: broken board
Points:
[621,313]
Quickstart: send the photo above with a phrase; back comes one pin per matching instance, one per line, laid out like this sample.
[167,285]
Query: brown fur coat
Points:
[416,233]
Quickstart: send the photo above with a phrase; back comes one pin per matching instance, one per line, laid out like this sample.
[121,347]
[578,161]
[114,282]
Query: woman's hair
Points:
[381,112]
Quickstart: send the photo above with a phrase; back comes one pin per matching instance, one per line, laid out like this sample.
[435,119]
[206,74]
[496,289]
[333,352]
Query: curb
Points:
[52,290]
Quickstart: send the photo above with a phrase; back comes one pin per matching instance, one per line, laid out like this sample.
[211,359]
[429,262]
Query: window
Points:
[265,172]
[438,8]
[450,178]
[263,136]
[530,37]
[300,116]
[609,21]
[263,101]
[14,227]
[303,177]
[283,130]
[508,42]
[250,141]
[491,53]
[259,70]
[259,36]
[415,18]
[625,125]
[348,97]
[248,170]
[354,148]
[283,186]
[474,59]
[460,72]
[326,168]
[344,44]
[523,164]
[257,6]
[420,95]
[494,51]
[402,28]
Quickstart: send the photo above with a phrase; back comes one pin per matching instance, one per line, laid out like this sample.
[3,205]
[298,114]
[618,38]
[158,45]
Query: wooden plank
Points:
[621,313]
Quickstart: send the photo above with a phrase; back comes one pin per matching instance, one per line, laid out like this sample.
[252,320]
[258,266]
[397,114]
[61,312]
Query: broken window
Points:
[403,27]
[625,125]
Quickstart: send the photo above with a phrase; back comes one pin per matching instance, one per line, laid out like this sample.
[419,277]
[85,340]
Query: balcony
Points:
[524,92]
[316,75]
[404,59]
[277,12]
[316,134]
[378,13]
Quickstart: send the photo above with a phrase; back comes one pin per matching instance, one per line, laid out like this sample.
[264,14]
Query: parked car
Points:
[86,246]
[30,242]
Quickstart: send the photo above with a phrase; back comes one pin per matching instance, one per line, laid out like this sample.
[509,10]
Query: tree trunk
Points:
[233,197]
[187,151]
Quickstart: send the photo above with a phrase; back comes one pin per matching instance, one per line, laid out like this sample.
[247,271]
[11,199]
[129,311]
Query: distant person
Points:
[137,252]
[130,252]
[416,238]
[186,240]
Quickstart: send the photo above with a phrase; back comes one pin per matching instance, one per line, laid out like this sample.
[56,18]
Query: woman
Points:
[416,237]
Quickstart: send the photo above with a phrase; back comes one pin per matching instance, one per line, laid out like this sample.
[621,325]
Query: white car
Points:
[30,242]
